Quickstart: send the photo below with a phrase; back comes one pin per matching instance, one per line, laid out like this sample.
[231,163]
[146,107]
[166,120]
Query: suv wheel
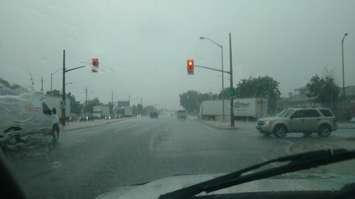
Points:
[280,131]
[324,131]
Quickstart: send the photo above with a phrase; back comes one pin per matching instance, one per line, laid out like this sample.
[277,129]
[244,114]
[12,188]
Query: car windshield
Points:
[99,95]
[285,113]
[282,113]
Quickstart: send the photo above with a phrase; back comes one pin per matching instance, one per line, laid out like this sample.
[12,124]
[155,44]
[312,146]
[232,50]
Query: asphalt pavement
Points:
[95,160]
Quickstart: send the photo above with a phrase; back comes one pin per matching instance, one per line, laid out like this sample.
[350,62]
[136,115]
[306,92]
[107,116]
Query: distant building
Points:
[122,109]
[101,111]
[122,104]
[56,102]
[298,98]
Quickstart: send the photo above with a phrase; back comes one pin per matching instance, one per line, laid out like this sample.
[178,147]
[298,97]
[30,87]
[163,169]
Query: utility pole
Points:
[42,84]
[343,71]
[51,81]
[112,102]
[63,91]
[222,84]
[231,81]
[86,101]
[86,97]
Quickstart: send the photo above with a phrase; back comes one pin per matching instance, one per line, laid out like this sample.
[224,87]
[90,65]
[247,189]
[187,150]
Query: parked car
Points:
[303,120]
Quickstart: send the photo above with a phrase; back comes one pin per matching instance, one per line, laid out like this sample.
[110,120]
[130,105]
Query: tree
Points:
[191,100]
[227,93]
[139,108]
[134,109]
[110,107]
[263,87]
[323,90]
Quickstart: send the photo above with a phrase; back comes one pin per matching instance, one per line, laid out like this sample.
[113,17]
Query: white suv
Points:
[303,120]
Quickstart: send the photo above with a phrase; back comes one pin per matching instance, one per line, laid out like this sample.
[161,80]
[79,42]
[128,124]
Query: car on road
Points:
[181,114]
[154,114]
[303,120]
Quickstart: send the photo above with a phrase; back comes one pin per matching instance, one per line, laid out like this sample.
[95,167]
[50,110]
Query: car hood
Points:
[154,189]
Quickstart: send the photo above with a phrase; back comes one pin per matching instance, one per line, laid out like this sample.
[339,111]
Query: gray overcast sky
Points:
[143,45]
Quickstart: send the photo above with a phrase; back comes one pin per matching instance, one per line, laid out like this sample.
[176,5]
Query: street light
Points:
[221,47]
[342,61]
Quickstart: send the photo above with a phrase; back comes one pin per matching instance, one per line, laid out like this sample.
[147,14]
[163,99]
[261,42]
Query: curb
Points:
[94,125]
[217,127]
[346,127]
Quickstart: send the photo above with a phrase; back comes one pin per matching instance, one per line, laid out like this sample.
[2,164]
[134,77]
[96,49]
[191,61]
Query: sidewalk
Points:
[88,124]
[346,125]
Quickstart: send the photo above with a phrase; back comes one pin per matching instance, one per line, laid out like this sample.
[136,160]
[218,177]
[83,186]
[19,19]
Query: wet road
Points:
[91,161]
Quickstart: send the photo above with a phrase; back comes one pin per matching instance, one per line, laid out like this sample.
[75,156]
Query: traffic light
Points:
[190,66]
[95,64]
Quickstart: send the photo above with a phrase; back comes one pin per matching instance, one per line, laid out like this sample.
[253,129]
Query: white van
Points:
[27,114]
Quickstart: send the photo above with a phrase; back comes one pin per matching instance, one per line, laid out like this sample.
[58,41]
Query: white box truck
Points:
[250,107]
[243,108]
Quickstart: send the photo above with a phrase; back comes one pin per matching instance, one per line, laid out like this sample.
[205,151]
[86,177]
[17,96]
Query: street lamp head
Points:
[346,34]
[202,38]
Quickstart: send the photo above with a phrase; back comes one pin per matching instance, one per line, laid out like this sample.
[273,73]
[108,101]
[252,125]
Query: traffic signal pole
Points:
[230,72]
[63,87]
[63,91]
[231,84]
[190,70]
[231,80]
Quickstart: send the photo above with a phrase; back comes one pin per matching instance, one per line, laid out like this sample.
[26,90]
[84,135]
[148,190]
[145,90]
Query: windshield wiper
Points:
[296,162]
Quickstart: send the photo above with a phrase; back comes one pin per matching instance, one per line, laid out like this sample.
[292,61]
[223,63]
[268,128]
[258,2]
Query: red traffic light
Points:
[95,64]
[190,66]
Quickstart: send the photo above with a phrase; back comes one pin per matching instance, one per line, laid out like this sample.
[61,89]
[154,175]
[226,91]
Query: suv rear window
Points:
[326,112]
